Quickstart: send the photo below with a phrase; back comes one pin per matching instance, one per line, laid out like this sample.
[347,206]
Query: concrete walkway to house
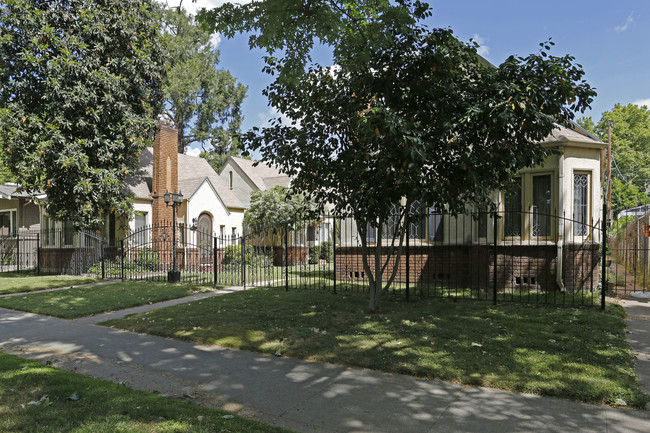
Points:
[638,322]
[303,396]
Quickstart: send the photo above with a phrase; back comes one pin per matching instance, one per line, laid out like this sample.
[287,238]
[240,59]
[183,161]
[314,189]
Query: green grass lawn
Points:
[16,282]
[578,354]
[87,301]
[37,398]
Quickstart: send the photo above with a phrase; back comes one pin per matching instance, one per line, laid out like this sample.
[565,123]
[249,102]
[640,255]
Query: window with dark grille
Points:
[392,223]
[68,233]
[580,203]
[417,220]
[512,208]
[482,222]
[5,224]
[436,224]
[542,205]
[371,233]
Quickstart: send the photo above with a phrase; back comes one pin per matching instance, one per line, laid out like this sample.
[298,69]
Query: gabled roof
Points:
[263,176]
[562,134]
[192,171]
[9,191]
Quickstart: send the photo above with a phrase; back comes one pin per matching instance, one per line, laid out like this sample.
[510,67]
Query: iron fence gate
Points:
[490,256]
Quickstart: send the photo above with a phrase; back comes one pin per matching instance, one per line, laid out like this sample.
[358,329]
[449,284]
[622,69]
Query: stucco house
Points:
[243,177]
[208,204]
[542,226]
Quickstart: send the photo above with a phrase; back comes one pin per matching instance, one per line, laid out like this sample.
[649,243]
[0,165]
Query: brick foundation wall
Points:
[518,267]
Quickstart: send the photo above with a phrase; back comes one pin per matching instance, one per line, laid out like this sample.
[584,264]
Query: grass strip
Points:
[17,282]
[575,353]
[37,398]
[91,300]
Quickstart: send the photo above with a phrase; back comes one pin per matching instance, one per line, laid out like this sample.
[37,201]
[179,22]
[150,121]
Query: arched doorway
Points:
[204,229]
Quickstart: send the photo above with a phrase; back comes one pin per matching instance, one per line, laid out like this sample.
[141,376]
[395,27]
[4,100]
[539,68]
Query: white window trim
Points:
[589,216]
[11,211]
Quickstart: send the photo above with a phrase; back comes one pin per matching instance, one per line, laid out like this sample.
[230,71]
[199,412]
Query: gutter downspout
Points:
[561,223]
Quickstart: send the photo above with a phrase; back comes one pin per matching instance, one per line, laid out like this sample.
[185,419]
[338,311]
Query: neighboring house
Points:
[207,203]
[18,211]
[243,177]
[547,218]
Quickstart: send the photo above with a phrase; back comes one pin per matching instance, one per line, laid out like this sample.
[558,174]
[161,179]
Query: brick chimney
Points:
[165,171]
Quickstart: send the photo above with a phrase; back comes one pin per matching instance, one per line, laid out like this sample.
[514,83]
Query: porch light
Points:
[174,197]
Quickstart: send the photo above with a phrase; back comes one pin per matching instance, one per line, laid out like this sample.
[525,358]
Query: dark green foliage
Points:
[254,256]
[630,149]
[408,113]
[203,101]
[81,87]
[146,259]
[315,253]
[626,195]
[279,208]
[327,251]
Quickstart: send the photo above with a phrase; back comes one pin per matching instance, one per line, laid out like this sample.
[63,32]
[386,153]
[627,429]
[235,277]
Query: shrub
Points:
[145,259]
[314,254]
[327,251]
[253,257]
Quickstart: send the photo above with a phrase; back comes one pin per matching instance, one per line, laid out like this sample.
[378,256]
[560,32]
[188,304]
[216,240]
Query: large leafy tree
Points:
[279,207]
[630,149]
[202,101]
[406,113]
[81,88]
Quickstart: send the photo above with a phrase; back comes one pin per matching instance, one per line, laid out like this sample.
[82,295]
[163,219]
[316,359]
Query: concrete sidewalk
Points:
[303,396]
[638,322]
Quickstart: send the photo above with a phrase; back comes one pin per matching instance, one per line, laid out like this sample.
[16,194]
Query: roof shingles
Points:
[192,171]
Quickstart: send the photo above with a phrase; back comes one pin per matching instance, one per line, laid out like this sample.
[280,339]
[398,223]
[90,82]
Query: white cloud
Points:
[193,151]
[194,7]
[215,40]
[265,118]
[642,102]
[627,23]
[483,50]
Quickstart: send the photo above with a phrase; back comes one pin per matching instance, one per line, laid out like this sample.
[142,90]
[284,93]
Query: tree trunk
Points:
[376,288]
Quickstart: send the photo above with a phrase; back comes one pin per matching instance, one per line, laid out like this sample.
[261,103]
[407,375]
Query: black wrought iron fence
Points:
[497,257]
[490,256]
[19,252]
[64,251]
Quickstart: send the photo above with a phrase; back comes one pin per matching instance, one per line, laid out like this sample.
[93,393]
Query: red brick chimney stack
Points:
[165,170]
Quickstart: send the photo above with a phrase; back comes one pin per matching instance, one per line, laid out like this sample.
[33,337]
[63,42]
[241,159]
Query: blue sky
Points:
[610,39]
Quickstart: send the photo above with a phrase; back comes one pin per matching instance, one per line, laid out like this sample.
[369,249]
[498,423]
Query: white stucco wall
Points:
[206,200]
[242,186]
[583,160]
[144,207]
